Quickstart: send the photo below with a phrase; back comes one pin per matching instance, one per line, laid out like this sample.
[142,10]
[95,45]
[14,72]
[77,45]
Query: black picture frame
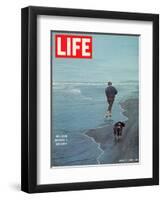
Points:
[29,98]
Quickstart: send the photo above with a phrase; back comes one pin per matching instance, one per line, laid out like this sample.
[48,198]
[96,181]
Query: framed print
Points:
[90,99]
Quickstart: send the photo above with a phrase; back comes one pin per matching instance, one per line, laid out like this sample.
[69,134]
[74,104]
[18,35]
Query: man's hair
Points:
[109,83]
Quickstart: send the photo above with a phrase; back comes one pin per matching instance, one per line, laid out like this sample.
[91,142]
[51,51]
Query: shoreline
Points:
[126,150]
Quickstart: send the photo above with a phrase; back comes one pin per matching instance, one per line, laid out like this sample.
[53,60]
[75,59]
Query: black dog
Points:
[118,127]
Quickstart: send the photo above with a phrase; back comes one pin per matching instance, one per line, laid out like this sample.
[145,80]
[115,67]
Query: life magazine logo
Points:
[73,46]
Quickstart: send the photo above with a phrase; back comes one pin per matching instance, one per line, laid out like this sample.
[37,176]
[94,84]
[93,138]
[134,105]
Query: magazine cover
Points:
[94,99]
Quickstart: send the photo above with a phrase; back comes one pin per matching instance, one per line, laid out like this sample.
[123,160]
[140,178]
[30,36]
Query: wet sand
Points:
[126,150]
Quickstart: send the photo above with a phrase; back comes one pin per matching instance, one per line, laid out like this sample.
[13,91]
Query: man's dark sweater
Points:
[110,92]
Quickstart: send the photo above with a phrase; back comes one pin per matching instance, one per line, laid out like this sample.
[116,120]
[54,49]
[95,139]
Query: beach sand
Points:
[126,150]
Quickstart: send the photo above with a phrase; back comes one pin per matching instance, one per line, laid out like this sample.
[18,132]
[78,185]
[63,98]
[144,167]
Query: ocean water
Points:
[76,108]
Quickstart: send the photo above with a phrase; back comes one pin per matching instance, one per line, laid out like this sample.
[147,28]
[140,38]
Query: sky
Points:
[115,58]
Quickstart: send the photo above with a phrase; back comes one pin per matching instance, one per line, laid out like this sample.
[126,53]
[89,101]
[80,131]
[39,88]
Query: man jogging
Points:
[110,92]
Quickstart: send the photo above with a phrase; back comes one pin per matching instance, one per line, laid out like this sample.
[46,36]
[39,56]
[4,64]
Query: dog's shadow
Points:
[117,141]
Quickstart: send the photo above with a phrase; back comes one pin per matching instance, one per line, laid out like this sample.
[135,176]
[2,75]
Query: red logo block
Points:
[73,46]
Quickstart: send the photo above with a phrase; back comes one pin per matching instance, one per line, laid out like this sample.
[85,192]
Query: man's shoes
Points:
[108,114]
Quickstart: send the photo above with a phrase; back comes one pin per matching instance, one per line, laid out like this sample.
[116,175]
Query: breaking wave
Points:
[75,91]
[63,84]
